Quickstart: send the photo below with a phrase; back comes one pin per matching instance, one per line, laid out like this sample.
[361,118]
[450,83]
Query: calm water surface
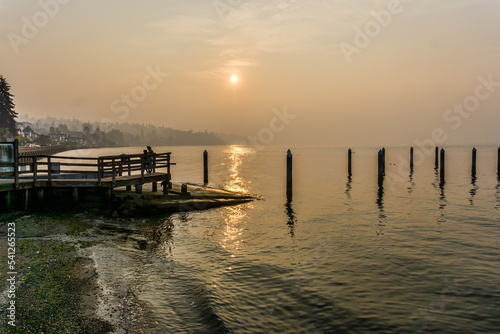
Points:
[344,256]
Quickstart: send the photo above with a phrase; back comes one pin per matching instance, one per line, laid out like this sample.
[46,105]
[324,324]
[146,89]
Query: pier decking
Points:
[37,180]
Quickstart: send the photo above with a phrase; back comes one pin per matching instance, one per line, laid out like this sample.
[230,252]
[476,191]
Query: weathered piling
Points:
[474,156]
[380,166]
[411,158]
[383,159]
[205,167]
[39,195]
[74,194]
[498,164]
[289,170]
[7,200]
[26,196]
[349,161]
[442,164]
[436,158]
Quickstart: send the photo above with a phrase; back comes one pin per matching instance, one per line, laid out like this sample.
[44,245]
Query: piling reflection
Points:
[290,214]
[442,202]
[436,181]
[497,195]
[473,189]
[412,183]
[380,204]
[348,186]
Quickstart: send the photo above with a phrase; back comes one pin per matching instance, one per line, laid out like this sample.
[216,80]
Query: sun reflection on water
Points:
[234,230]
[236,155]
[235,215]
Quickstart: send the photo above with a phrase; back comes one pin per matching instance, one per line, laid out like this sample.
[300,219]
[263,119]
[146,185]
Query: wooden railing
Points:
[46,167]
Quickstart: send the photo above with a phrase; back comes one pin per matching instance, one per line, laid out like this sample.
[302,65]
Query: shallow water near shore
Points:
[343,256]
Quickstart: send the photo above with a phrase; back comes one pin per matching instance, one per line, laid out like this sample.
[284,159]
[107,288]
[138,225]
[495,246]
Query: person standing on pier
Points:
[150,159]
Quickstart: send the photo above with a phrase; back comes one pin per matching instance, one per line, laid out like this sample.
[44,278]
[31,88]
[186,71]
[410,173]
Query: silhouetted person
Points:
[149,155]
[152,158]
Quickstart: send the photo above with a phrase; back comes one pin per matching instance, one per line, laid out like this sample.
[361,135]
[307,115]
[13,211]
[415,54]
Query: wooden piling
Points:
[349,162]
[442,162]
[383,159]
[155,187]
[436,158]
[474,156]
[498,164]
[7,200]
[49,171]
[289,173]
[138,188]
[380,165]
[39,195]
[205,167]
[26,200]
[108,192]
[16,163]
[74,194]
[129,171]
[411,158]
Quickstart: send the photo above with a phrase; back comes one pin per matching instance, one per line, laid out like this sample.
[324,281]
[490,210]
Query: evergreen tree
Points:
[7,113]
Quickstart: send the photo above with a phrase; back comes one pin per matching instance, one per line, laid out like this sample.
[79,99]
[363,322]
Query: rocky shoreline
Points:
[61,276]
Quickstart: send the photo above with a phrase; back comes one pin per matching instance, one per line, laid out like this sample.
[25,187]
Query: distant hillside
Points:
[125,134]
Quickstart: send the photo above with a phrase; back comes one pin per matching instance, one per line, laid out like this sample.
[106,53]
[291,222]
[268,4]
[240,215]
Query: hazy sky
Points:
[353,72]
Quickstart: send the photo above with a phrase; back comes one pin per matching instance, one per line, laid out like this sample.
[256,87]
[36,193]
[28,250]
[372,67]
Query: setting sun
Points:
[234,78]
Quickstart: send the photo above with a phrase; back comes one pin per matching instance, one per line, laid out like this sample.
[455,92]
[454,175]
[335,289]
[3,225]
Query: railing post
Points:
[16,163]
[113,170]
[154,184]
[49,172]
[35,170]
[168,162]
[129,171]
[154,163]
[143,162]
[99,176]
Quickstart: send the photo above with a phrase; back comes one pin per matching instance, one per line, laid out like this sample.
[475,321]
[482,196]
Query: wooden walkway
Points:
[28,177]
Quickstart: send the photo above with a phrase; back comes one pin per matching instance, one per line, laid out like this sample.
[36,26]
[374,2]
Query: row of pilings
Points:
[439,164]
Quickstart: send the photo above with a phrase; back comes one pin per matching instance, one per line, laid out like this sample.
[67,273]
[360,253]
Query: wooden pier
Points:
[44,180]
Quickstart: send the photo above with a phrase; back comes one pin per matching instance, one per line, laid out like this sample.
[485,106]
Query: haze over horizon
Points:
[352,73]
